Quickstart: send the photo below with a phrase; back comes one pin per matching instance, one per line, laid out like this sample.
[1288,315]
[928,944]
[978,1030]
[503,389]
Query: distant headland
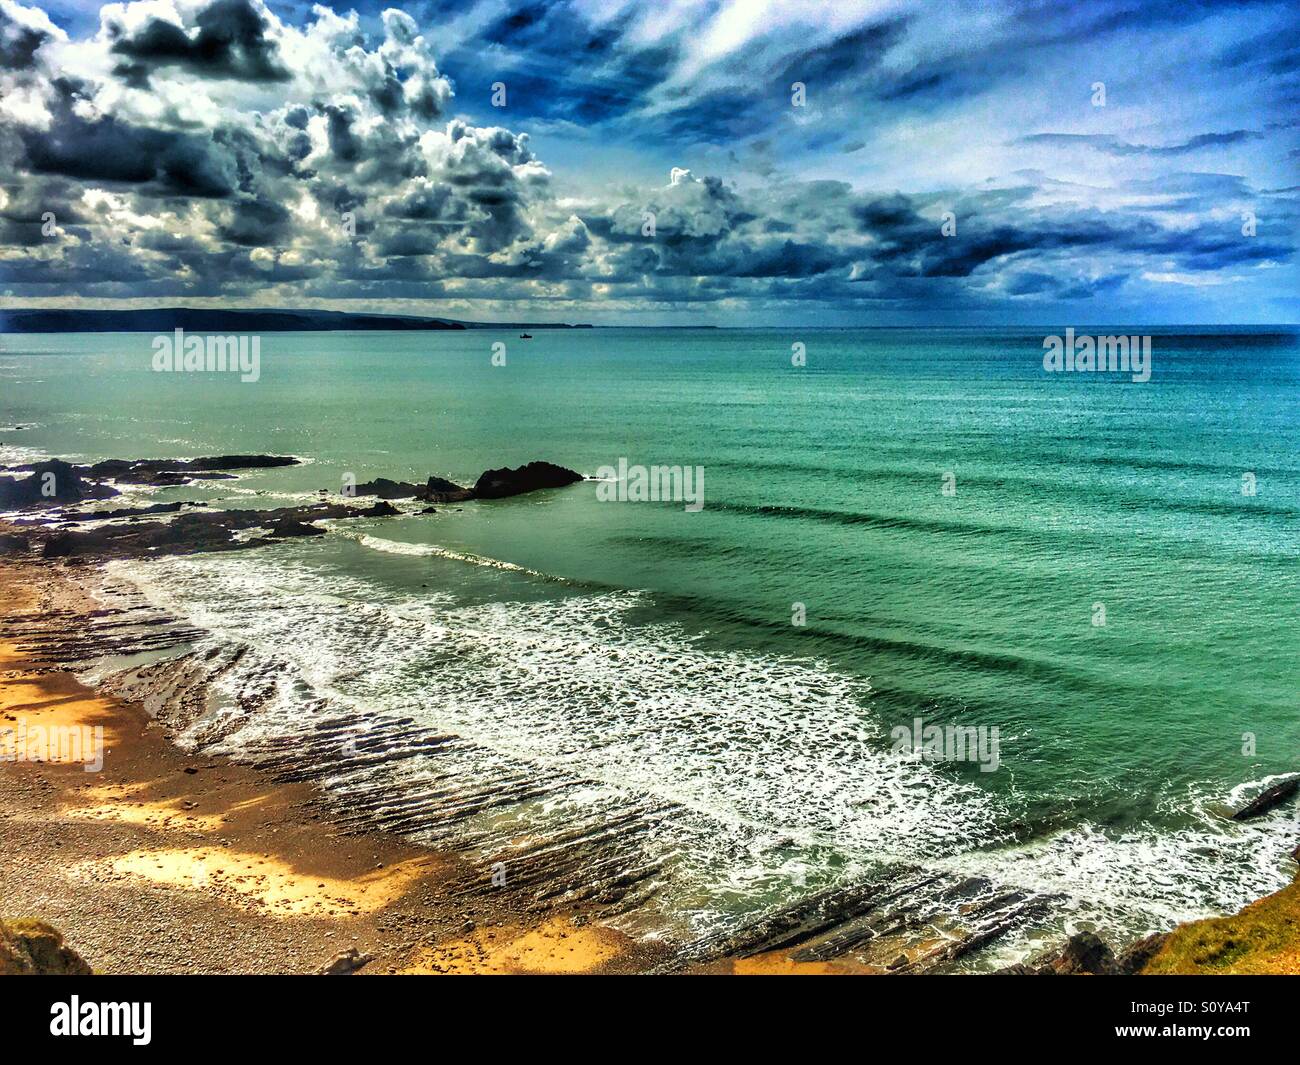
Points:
[218,320]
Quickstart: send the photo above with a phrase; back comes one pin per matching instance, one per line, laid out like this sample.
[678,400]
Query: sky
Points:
[681,162]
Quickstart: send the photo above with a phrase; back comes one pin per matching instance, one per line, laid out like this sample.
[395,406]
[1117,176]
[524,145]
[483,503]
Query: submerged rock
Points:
[498,484]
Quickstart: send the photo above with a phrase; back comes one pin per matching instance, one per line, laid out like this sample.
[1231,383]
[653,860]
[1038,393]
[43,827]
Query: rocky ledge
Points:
[121,532]
[55,482]
[492,484]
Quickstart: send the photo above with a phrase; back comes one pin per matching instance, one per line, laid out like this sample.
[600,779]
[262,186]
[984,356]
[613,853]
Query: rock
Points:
[499,484]
[208,530]
[292,527]
[898,962]
[1084,953]
[1133,958]
[438,490]
[239,462]
[429,510]
[14,544]
[386,489]
[1269,799]
[345,963]
[51,483]
[128,512]
[33,948]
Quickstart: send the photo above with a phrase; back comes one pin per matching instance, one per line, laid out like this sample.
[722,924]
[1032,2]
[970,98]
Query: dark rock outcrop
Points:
[344,963]
[499,484]
[33,948]
[204,531]
[128,512]
[1084,954]
[439,490]
[1269,799]
[116,468]
[1133,958]
[51,483]
[14,544]
[386,489]
[292,527]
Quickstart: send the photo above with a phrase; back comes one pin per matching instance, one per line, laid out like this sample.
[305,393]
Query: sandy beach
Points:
[163,863]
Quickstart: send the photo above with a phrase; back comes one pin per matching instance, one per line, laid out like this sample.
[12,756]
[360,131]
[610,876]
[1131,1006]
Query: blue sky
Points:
[676,163]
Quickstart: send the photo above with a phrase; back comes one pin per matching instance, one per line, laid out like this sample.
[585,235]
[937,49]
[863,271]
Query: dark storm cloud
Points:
[20,40]
[105,149]
[228,40]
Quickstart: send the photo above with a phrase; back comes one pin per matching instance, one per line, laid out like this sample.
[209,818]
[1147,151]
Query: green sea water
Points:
[948,522]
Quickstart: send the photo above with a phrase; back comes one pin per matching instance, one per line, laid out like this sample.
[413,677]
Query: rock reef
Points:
[52,485]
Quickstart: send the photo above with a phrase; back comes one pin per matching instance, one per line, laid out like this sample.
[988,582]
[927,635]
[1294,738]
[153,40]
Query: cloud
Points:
[222,149]
[223,39]
[1114,146]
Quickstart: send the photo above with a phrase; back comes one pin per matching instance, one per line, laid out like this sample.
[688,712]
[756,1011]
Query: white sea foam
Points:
[773,763]
[400,547]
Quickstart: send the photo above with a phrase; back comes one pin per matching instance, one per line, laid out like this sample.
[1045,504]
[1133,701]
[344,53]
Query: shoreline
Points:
[279,878]
[168,861]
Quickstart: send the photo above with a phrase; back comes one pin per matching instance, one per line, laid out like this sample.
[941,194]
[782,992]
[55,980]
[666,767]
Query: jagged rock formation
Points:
[33,948]
[51,483]
[498,484]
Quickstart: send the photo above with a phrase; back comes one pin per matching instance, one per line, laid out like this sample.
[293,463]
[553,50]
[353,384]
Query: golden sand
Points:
[555,947]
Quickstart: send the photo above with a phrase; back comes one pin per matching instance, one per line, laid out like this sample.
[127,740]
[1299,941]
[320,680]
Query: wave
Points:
[751,778]
[401,547]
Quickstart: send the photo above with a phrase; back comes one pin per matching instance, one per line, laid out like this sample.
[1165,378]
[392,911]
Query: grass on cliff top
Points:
[1263,939]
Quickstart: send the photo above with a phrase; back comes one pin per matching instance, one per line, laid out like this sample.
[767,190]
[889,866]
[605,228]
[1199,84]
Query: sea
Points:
[896,529]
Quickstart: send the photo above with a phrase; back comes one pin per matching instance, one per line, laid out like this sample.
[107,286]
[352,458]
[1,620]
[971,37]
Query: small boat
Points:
[525,336]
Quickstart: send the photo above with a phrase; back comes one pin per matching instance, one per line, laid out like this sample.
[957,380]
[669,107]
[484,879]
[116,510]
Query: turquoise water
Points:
[653,649]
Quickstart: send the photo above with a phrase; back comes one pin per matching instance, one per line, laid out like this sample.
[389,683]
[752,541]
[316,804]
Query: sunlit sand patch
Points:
[30,702]
[148,814]
[116,792]
[781,964]
[554,947]
[267,885]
